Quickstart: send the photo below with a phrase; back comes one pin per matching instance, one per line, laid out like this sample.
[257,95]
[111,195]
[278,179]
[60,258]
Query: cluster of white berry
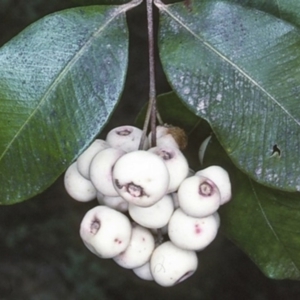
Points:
[142,195]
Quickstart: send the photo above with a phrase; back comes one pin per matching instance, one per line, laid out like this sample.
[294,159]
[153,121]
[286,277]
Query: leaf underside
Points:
[60,80]
[238,68]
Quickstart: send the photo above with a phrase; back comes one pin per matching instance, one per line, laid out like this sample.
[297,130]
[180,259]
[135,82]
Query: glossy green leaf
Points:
[60,80]
[288,10]
[99,2]
[263,222]
[238,68]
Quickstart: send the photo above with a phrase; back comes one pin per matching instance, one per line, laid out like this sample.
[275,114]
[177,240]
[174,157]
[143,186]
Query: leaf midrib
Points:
[163,7]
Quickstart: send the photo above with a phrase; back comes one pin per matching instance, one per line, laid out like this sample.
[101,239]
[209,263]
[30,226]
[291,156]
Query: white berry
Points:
[161,131]
[139,250]
[116,202]
[84,160]
[141,177]
[163,138]
[154,216]
[192,233]
[198,196]
[171,136]
[171,265]
[167,140]
[220,178]
[101,170]
[126,138]
[105,231]
[176,163]
[144,272]
[78,187]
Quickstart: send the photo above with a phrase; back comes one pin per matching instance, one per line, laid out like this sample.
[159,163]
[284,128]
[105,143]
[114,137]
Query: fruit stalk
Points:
[151,110]
[152,88]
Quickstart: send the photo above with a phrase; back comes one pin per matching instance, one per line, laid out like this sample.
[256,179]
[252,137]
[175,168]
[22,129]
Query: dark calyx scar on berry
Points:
[124,132]
[95,226]
[206,189]
[131,188]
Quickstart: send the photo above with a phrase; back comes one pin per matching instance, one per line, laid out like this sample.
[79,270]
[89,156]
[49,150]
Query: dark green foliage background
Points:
[42,256]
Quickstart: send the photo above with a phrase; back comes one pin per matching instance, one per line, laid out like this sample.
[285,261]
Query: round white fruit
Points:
[198,196]
[101,170]
[125,137]
[163,137]
[167,140]
[139,250]
[176,163]
[116,202]
[144,272]
[161,131]
[84,160]
[78,187]
[154,216]
[105,231]
[171,265]
[192,233]
[141,177]
[220,178]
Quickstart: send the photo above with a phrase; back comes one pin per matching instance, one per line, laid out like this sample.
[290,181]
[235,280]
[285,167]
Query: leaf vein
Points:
[116,13]
[164,8]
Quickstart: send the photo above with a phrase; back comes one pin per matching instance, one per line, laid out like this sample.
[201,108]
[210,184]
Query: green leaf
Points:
[263,222]
[238,68]
[99,2]
[60,80]
[288,10]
